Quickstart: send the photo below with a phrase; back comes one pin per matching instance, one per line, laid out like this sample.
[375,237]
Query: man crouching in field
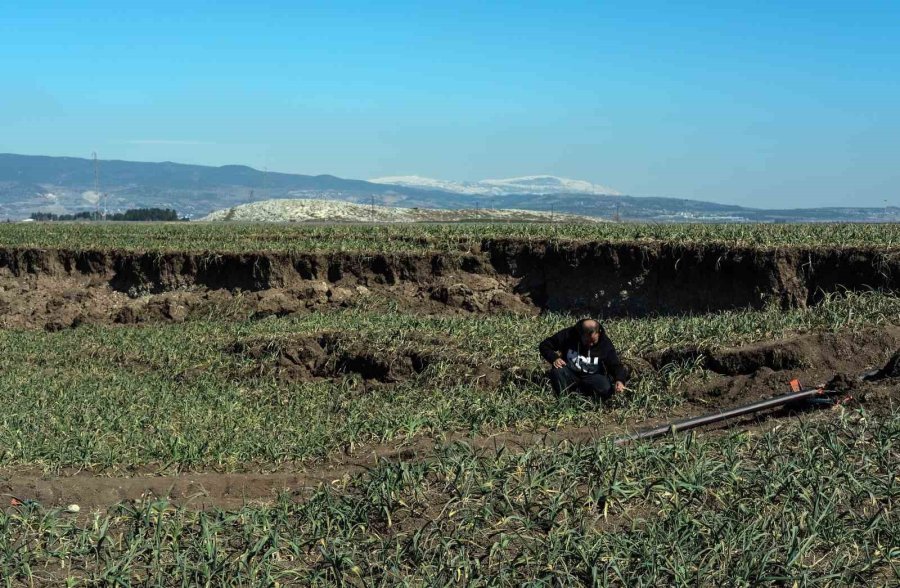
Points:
[582,357]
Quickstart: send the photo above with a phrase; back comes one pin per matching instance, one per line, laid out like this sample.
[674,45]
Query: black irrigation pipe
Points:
[730,413]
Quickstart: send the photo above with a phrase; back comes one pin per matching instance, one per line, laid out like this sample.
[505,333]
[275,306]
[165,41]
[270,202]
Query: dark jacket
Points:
[598,358]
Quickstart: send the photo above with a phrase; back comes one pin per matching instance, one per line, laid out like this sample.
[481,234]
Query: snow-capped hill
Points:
[432,184]
[502,187]
[548,185]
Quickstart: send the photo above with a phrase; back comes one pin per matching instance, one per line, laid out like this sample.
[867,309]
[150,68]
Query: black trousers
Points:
[565,379]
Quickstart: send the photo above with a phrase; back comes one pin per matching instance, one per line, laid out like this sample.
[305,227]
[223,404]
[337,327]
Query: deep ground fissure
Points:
[59,288]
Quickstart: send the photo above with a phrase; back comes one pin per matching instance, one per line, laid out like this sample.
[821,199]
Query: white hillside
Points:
[523,185]
[305,210]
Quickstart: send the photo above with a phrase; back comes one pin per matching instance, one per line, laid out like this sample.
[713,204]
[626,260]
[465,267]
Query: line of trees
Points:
[132,214]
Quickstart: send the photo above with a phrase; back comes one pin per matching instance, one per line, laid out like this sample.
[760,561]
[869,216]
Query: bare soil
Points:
[55,289]
[744,374]
[741,375]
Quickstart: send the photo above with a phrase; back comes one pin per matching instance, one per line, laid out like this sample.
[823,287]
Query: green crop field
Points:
[438,237]
[809,504]
[450,462]
[108,397]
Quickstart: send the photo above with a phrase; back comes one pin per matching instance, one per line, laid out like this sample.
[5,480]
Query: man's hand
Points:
[620,387]
[560,362]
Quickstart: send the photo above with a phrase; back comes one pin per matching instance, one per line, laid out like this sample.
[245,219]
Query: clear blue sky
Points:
[757,103]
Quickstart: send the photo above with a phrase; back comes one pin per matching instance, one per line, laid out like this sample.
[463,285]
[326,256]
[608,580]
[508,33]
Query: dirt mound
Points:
[830,351]
[303,357]
[760,370]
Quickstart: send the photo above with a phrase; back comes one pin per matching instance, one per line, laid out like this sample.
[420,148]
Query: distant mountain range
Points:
[65,185]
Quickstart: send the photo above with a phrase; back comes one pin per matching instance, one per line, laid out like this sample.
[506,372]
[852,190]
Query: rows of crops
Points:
[174,396]
[810,504]
[420,237]
[791,501]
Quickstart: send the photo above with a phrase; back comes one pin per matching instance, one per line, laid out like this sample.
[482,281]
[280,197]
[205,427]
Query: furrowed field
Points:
[234,405]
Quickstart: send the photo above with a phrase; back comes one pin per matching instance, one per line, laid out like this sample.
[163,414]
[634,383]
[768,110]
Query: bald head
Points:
[589,330]
[590,325]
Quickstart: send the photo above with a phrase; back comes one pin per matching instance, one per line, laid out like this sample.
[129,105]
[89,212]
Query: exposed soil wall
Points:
[524,276]
[639,279]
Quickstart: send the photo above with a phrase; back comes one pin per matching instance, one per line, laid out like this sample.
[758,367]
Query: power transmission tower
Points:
[96,182]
